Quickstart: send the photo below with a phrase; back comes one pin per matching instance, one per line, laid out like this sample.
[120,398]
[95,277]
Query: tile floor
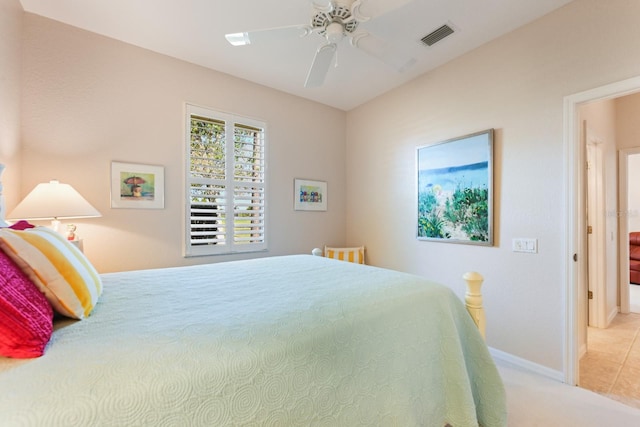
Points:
[611,366]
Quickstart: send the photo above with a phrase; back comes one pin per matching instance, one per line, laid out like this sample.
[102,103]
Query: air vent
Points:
[437,35]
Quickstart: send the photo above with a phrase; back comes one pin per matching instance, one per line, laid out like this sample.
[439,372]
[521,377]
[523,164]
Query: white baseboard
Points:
[612,314]
[526,365]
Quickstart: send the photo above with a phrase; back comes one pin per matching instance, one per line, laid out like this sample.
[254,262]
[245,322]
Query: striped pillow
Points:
[26,317]
[59,269]
[345,254]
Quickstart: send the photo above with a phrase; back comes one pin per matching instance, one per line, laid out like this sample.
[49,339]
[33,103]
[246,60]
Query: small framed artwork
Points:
[137,186]
[455,190]
[310,195]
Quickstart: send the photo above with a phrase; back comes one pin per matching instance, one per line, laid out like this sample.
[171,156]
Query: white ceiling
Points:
[193,30]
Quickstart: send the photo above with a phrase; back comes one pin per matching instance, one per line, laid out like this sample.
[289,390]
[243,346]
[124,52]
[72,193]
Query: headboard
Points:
[2,208]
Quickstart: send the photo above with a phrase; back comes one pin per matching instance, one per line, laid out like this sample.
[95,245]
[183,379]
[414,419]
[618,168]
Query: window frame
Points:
[230,246]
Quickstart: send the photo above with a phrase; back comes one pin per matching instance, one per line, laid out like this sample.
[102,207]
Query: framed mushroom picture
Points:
[137,186]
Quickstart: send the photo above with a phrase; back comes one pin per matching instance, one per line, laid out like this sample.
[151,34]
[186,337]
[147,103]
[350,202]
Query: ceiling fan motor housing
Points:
[335,23]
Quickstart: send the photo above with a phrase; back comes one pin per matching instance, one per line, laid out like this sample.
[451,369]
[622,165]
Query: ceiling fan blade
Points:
[364,10]
[320,66]
[268,34]
[322,5]
[380,49]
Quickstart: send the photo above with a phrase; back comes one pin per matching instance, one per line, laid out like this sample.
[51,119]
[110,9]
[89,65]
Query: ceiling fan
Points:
[335,20]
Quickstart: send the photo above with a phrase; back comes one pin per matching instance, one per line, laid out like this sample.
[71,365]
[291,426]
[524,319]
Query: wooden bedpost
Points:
[473,300]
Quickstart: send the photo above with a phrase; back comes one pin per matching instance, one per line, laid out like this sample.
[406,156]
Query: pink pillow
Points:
[26,317]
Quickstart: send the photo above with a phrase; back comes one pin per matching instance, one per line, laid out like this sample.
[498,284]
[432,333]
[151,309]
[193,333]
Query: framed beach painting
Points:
[137,186]
[455,190]
[309,195]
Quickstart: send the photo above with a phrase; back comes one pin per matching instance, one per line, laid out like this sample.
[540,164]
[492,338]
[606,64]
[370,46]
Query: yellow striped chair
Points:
[355,254]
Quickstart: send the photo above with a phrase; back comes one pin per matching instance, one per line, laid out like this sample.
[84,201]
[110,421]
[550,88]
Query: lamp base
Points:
[55,225]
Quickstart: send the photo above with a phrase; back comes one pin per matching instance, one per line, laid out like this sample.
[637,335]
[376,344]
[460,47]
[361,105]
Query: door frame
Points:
[596,255]
[574,245]
[623,225]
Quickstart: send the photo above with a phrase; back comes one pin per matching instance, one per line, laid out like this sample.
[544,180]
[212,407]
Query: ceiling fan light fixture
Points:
[238,39]
[334,32]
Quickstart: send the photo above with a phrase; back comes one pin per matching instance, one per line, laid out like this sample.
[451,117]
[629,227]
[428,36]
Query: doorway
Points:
[608,366]
[629,176]
[576,266]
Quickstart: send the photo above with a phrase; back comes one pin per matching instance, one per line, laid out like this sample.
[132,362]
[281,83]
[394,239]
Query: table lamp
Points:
[53,200]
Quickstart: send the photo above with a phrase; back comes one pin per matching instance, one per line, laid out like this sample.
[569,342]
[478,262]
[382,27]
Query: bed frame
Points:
[473,296]
[473,300]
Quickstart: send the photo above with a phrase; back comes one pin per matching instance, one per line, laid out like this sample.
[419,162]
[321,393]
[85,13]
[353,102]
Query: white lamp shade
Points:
[53,200]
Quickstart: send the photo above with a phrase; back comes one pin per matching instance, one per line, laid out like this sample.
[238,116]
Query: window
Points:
[225,183]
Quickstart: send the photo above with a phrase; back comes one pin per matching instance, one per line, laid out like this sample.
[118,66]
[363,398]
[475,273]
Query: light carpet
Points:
[534,400]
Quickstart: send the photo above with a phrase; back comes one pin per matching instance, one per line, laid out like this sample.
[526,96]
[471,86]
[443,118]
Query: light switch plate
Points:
[526,245]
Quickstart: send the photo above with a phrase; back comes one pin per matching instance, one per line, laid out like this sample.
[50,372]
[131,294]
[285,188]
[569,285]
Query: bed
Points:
[294,340]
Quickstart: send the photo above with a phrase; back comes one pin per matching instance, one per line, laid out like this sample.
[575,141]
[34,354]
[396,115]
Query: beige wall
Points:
[628,125]
[10,72]
[634,192]
[89,100]
[515,84]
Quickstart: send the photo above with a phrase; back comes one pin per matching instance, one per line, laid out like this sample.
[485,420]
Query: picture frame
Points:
[455,190]
[137,186]
[309,195]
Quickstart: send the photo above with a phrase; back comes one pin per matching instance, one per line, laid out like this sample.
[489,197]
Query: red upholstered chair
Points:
[634,257]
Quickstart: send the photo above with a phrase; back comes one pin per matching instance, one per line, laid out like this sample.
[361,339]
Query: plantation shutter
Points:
[226,175]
